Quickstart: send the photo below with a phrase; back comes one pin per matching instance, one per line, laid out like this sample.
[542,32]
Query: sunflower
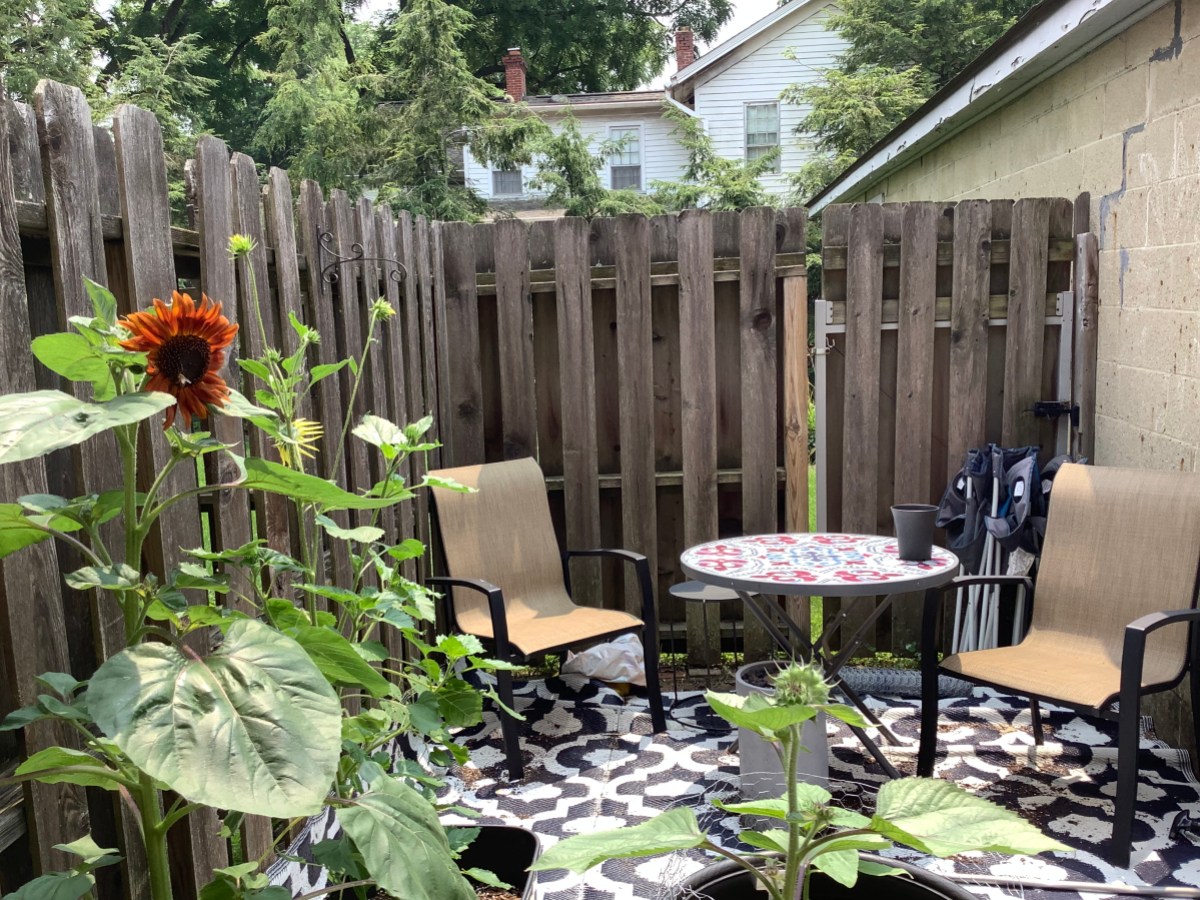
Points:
[185,350]
[304,436]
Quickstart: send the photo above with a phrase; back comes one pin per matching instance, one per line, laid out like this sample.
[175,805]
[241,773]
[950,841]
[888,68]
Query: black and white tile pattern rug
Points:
[591,763]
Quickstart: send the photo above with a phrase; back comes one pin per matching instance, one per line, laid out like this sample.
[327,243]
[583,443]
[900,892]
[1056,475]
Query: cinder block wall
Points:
[1124,124]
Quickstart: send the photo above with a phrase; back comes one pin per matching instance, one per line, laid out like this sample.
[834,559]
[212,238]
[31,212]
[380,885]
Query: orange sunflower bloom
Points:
[185,350]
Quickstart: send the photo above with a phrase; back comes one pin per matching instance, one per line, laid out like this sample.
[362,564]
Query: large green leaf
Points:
[47,766]
[675,829]
[402,843]
[38,422]
[73,357]
[338,660]
[264,475]
[18,529]
[939,817]
[254,727]
[55,886]
[758,713]
[839,864]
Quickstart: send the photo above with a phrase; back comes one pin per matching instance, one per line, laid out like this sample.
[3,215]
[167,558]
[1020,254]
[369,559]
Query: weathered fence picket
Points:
[939,328]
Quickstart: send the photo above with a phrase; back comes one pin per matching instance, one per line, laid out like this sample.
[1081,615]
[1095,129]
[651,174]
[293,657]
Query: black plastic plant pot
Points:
[507,851]
[726,880]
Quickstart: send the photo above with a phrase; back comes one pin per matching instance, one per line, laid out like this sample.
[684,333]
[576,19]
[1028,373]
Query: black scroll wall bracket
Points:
[395,270]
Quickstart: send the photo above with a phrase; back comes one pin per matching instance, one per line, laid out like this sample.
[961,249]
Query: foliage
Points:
[566,165]
[711,181]
[40,39]
[929,815]
[239,707]
[353,104]
[900,53]
[576,46]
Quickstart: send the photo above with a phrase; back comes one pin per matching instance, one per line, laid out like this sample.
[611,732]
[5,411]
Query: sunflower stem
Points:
[358,377]
[127,441]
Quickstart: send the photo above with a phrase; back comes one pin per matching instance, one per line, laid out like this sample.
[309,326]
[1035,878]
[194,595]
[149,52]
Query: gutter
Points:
[1050,37]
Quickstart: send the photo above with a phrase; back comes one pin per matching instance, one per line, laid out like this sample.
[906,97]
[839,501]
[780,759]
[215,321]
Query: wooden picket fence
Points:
[940,325]
[657,368]
[643,362]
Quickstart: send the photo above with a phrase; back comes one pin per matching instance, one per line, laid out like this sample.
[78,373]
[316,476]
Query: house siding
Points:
[760,76]
[663,159]
[1123,123]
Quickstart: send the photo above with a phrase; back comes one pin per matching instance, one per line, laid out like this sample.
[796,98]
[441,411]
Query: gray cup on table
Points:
[914,530]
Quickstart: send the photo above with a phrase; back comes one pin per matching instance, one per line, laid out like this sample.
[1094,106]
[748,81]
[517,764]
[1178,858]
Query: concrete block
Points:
[1142,398]
[1180,419]
[1120,444]
[1084,117]
[1106,386]
[1171,212]
[1125,99]
[1151,153]
[1190,26]
[1126,227]
[1164,340]
[1102,165]
[1149,35]
[1187,140]
[1173,83]
[1109,329]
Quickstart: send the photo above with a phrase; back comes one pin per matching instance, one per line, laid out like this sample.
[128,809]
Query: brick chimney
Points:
[514,74]
[685,48]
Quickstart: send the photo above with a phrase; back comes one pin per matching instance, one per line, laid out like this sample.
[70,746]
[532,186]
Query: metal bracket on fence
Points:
[823,351]
[329,275]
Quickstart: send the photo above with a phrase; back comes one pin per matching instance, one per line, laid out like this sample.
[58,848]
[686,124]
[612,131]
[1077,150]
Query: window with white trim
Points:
[762,131]
[625,165]
[506,183]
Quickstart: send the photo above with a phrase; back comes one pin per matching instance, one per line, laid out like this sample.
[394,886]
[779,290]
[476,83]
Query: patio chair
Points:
[510,584]
[1121,560]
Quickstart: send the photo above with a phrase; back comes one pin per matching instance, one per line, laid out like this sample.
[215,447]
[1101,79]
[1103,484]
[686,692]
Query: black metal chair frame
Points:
[506,652]
[1129,696]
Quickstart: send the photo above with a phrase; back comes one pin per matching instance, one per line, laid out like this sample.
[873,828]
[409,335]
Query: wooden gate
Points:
[938,328]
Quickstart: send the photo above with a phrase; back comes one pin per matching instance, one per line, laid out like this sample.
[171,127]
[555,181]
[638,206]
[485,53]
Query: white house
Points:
[733,89]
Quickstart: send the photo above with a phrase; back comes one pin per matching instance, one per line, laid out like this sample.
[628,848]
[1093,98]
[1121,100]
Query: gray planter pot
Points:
[760,767]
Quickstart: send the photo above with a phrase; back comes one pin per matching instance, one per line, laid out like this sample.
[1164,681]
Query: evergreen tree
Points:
[900,53]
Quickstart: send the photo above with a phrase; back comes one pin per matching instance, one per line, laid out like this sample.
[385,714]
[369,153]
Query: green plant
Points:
[927,814]
[256,726]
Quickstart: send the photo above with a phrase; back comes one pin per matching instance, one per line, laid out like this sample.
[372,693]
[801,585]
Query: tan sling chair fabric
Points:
[1120,543]
[503,534]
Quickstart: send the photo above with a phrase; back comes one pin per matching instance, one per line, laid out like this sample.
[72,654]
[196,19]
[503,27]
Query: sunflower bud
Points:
[240,245]
[801,685]
[381,310]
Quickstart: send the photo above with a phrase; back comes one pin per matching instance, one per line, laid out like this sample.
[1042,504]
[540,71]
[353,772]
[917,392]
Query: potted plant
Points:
[818,850]
[759,763]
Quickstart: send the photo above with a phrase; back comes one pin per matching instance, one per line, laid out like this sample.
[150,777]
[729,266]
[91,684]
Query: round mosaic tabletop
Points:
[837,565]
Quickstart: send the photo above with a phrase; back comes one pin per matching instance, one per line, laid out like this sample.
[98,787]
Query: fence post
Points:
[31,610]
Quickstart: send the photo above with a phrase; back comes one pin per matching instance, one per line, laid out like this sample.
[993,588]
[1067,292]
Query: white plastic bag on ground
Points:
[620,660]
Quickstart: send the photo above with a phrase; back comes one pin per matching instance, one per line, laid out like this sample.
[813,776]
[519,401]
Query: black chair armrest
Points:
[1155,620]
[495,607]
[640,564]
[1133,653]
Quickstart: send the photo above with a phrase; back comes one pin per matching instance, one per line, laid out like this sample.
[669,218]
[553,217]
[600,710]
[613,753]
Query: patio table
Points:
[819,565]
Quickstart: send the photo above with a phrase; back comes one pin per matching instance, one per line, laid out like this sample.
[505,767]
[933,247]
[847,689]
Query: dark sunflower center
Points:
[183,359]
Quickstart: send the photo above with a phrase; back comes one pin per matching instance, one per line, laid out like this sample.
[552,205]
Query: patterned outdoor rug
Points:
[591,763]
